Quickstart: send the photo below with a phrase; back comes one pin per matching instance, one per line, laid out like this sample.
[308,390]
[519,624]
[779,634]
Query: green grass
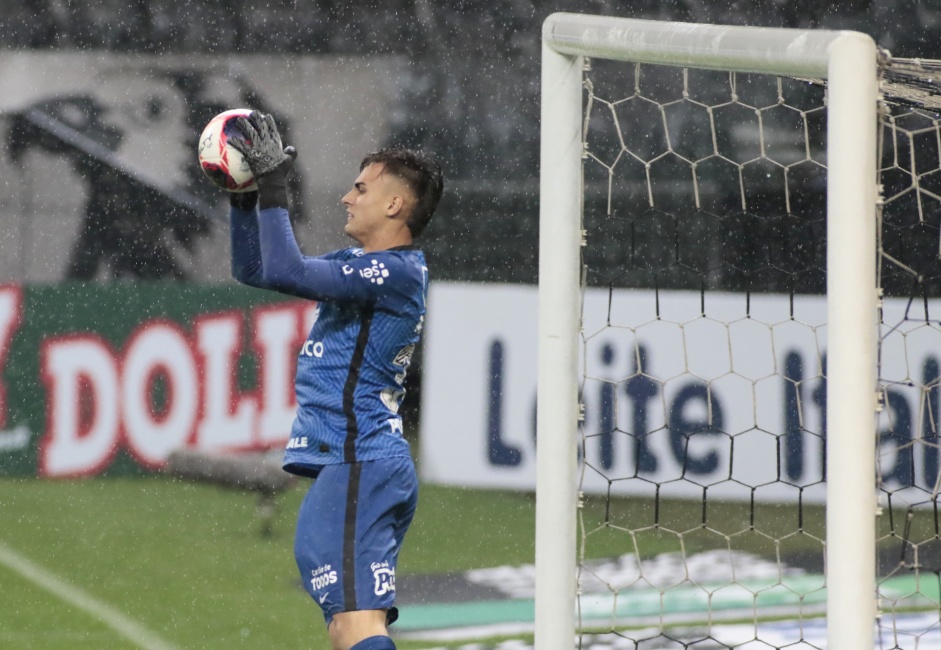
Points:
[189,563]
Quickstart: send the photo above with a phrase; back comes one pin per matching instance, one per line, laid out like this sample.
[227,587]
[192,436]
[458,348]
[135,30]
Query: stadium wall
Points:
[98,155]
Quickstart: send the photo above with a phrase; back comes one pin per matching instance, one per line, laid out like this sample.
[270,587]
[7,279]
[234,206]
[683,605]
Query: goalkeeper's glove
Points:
[260,143]
[273,186]
[268,159]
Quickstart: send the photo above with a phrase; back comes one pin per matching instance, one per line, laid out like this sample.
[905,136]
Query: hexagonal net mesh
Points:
[907,462]
[704,354]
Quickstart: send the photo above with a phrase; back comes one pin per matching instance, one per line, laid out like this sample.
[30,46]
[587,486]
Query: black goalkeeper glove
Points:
[273,186]
[268,159]
[260,143]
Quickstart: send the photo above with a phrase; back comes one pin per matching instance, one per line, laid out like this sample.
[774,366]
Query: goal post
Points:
[853,324]
[560,197]
[848,63]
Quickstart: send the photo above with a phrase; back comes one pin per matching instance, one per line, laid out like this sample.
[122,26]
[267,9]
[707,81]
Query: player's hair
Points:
[420,172]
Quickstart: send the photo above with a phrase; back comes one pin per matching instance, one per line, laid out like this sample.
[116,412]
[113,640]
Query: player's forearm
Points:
[287,269]
[245,247]
[281,258]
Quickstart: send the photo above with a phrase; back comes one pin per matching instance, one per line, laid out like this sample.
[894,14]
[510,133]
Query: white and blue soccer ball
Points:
[220,161]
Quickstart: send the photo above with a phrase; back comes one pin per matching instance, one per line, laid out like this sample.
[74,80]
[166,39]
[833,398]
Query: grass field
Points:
[188,565]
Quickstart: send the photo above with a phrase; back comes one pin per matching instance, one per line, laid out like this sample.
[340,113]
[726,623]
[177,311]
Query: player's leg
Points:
[348,630]
[318,540]
[375,643]
[349,530]
[387,493]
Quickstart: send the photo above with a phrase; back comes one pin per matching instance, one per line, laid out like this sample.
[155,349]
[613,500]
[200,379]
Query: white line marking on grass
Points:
[126,627]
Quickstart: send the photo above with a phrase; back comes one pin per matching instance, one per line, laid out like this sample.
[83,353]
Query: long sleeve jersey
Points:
[351,369]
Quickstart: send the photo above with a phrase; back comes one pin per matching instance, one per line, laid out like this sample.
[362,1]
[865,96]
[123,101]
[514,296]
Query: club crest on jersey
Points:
[375,273]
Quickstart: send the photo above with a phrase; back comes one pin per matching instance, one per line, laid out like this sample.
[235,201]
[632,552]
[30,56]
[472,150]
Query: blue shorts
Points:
[349,531]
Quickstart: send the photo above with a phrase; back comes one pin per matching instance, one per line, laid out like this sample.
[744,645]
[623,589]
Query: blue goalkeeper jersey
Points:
[351,369]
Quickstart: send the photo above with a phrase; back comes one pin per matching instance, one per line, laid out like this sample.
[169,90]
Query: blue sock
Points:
[375,643]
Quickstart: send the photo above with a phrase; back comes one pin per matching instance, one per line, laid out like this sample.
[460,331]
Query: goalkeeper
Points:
[350,372]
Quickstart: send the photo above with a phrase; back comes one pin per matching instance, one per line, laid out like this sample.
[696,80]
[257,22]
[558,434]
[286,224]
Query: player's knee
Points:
[375,643]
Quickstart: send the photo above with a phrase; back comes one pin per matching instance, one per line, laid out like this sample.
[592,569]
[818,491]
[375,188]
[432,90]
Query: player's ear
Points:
[396,205]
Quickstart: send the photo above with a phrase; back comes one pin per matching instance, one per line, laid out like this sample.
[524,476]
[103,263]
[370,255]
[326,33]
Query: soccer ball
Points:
[221,162]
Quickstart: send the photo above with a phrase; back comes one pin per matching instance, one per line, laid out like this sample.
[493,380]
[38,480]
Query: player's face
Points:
[374,200]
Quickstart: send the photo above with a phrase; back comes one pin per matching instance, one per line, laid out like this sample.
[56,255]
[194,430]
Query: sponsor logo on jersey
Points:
[312,349]
[384,576]
[404,357]
[322,576]
[297,443]
[375,273]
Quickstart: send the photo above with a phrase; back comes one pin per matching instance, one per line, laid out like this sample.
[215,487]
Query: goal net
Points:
[739,340]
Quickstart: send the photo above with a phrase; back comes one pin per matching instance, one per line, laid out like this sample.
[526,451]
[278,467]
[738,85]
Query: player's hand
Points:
[260,144]
[287,164]
[273,186]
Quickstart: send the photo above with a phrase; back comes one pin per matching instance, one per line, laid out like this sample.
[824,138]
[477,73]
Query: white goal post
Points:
[848,63]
